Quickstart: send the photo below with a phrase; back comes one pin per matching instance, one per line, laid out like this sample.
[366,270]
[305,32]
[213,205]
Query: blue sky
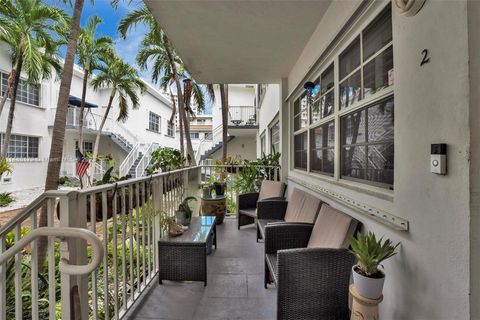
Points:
[127,49]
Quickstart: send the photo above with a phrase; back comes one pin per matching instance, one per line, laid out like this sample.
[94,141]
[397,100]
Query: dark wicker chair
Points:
[312,282]
[302,207]
[247,202]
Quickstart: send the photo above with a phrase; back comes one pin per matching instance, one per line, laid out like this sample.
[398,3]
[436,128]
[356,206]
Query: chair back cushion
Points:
[271,189]
[302,207]
[332,229]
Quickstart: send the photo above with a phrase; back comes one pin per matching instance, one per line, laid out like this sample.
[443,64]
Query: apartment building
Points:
[128,144]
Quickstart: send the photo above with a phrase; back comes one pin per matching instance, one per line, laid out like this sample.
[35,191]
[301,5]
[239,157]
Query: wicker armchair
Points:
[302,207]
[247,202]
[311,266]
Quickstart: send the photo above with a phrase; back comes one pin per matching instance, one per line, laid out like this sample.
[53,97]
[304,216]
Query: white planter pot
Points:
[370,288]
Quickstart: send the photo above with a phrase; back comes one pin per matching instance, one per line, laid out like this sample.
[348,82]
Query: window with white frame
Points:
[27,93]
[21,146]
[87,146]
[171,128]
[322,148]
[194,135]
[275,136]
[366,139]
[208,136]
[154,122]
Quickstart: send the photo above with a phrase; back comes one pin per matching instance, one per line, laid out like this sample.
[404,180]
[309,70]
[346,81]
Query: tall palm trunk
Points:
[13,98]
[82,110]
[7,91]
[224,102]
[181,106]
[180,122]
[58,135]
[99,134]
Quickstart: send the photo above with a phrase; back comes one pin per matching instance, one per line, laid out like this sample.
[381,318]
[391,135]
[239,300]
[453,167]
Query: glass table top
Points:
[198,231]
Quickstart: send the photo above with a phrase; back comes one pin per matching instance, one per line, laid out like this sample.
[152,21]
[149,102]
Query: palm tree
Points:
[91,53]
[28,27]
[157,51]
[224,102]
[123,80]
[58,134]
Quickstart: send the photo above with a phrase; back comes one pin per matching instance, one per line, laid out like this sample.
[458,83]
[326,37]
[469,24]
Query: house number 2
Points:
[425,57]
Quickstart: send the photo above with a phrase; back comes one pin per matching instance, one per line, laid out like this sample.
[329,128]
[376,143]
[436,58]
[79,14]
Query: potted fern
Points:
[370,253]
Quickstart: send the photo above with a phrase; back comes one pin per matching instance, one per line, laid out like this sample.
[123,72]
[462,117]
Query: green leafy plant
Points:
[5,166]
[371,252]
[69,181]
[108,177]
[165,159]
[6,198]
[185,206]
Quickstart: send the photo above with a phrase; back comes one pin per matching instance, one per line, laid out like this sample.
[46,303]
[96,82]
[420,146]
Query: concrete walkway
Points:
[235,285]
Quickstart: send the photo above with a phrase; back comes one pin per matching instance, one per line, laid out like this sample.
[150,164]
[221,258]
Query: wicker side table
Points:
[184,258]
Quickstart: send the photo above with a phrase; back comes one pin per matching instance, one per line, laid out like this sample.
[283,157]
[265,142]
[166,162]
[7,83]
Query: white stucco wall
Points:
[240,147]
[268,112]
[473,9]
[430,277]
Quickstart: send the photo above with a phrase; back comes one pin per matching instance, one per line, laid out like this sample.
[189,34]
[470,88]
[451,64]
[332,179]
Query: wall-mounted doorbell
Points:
[438,158]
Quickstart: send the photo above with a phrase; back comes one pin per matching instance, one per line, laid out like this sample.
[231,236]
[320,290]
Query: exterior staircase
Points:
[132,172]
[121,141]
[215,148]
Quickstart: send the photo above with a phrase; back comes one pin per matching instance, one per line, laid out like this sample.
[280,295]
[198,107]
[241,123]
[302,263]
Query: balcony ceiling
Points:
[239,41]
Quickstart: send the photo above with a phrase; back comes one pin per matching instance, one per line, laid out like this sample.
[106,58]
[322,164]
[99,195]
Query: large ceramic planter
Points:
[370,288]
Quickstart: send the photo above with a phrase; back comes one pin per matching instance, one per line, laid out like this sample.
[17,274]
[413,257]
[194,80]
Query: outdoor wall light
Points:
[409,8]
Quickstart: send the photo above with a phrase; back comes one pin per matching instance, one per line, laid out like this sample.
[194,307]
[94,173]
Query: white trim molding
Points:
[379,215]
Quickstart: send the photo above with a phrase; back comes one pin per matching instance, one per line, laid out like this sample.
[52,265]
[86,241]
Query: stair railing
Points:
[145,161]
[205,143]
[29,258]
[128,162]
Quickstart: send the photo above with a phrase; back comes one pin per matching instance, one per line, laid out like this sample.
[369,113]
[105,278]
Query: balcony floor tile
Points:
[235,285]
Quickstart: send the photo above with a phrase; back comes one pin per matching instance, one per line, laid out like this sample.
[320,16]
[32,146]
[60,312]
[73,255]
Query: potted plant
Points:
[5,167]
[219,188]
[370,253]
[169,225]
[207,191]
[184,212]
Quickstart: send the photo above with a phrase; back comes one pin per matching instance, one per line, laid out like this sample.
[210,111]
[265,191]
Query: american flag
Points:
[82,164]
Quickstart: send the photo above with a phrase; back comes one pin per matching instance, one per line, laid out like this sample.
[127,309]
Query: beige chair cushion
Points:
[271,189]
[302,207]
[332,229]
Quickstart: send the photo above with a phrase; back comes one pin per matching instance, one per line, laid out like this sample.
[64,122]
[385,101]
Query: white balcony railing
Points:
[125,217]
[92,121]
[242,116]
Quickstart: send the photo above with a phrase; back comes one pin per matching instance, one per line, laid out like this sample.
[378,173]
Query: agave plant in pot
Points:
[370,253]
[184,212]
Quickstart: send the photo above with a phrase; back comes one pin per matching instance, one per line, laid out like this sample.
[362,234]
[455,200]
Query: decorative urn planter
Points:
[368,287]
